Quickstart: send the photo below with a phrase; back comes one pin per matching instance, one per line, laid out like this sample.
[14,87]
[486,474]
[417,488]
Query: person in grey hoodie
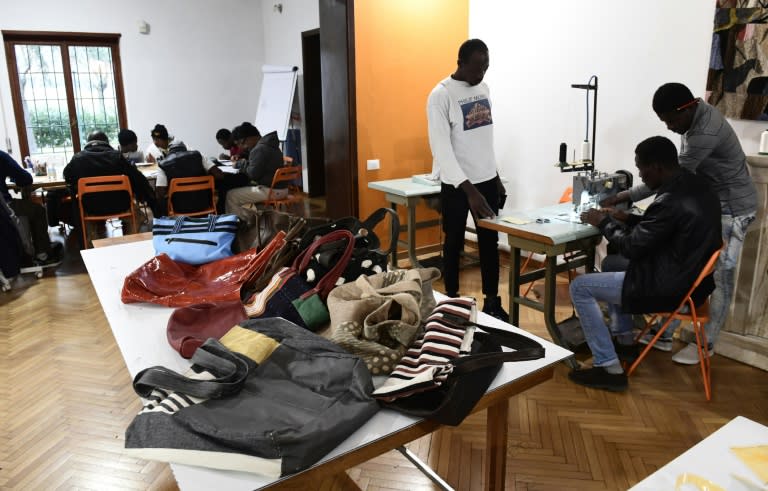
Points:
[264,158]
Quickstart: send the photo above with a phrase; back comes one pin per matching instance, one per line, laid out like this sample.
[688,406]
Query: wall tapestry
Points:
[737,83]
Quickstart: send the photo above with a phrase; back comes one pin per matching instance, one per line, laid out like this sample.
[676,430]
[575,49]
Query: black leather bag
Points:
[270,398]
[447,390]
[367,257]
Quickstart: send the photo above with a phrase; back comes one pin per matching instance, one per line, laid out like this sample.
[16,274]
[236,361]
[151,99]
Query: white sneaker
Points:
[690,355]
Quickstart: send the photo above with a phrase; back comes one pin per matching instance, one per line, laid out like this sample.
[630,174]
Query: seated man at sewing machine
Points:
[667,248]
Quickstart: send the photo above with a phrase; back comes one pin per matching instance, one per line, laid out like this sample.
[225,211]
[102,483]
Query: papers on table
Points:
[228,169]
[425,179]
[515,220]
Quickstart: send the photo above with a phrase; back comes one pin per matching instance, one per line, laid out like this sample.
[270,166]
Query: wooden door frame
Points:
[64,39]
[337,72]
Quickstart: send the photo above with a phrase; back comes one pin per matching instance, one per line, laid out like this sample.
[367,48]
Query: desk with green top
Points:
[558,233]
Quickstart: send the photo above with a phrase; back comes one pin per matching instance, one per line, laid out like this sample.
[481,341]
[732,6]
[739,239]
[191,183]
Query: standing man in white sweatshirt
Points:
[461,139]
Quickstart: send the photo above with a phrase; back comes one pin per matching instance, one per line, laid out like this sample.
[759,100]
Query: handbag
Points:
[164,281]
[452,364]
[367,256]
[378,317]
[270,398]
[289,296]
[258,226]
[194,240]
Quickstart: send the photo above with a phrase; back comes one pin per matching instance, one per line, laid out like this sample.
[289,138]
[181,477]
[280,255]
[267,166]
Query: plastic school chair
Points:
[182,185]
[288,174]
[104,184]
[697,315]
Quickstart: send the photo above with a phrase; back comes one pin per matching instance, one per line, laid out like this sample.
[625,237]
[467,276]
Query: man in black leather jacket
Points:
[667,248]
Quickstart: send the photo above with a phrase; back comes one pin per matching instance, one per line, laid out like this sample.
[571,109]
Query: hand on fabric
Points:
[477,203]
[151,158]
[620,215]
[617,198]
[593,216]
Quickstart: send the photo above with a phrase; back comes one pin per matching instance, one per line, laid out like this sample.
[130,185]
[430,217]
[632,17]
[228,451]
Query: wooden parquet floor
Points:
[66,399]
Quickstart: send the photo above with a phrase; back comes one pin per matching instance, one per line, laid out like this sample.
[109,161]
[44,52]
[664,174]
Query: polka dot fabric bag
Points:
[378,317]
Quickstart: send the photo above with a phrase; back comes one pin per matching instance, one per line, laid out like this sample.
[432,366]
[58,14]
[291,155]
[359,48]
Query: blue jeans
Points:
[586,291]
[734,230]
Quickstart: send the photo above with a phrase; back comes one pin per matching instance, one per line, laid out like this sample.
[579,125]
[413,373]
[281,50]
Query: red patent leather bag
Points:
[164,281]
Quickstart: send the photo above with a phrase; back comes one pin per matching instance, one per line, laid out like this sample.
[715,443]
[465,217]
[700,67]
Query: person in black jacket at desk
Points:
[98,158]
[667,248]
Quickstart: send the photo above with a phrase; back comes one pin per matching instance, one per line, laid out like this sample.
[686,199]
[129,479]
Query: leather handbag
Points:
[194,240]
[289,296]
[367,257]
[269,398]
[164,281]
[451,365]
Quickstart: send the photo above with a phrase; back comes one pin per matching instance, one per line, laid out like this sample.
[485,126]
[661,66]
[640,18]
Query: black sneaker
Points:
[598,378]
[492,306]
[627,352]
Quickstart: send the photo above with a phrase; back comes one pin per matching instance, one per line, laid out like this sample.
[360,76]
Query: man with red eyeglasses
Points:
[709,147]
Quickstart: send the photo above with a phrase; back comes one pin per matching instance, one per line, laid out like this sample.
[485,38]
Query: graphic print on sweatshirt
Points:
[476,111]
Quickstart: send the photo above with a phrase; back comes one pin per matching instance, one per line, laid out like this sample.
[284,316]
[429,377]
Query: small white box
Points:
[374,164]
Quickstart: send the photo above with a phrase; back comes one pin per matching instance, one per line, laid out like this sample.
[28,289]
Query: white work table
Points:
[712,459]
[140,332]
[557,233]
[407,193]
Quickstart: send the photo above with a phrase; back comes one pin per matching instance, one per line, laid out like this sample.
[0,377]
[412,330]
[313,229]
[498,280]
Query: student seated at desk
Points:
[129,146]
[46,253]
[158,149]
[98,158]
[227,142]
[181,162]
[264,158]
[667,248]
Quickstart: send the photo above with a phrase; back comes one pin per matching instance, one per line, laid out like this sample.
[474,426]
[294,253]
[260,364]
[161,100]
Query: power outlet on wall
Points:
[374,164]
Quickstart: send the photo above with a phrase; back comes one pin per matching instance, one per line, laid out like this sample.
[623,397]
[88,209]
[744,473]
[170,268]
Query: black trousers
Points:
[454,210]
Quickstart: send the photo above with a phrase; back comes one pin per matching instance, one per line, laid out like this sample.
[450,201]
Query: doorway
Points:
[313,112]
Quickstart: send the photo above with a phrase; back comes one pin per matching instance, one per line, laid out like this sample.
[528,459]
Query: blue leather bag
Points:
[194,240]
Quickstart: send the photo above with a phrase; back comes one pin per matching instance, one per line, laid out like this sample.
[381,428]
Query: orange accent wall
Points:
[402,49]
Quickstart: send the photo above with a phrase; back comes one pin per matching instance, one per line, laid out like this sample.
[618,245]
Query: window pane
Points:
[43,99]
[93,77]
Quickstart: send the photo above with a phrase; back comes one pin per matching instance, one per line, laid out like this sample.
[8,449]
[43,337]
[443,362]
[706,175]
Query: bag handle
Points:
[376,217]
[525,348]
[328,281]
[212,355]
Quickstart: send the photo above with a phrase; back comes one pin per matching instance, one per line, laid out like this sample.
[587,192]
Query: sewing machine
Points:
[591,187]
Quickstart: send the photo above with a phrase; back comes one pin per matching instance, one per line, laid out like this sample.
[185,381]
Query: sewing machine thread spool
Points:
[585,150]
[563,152]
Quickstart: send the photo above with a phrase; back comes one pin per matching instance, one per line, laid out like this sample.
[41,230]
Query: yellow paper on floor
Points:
[756,458]
[515,220]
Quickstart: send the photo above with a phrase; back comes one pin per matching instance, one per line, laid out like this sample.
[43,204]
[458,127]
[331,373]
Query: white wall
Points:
[282,46]
[198,70]
[538,52]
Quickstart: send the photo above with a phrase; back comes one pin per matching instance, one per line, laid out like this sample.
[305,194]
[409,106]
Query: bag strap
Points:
[178,224]
[376,217]
[212,355]
[325,284]
[525,348]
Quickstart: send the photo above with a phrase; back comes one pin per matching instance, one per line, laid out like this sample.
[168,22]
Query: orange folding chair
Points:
[697,315]
[289,174]
[182,185]
[104,184]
